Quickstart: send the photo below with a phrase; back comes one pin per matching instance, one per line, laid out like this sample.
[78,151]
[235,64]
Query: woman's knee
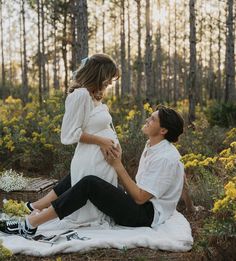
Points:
[90,179]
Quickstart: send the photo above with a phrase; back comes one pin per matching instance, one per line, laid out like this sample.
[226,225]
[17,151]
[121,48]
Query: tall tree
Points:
[139,58]
[148,54]
[128,50]
[64,43]
[25,86]
[158,87]
[192,69]
[219,76]
[169,76]
[103,26]
[229,58]
[55,51]
[39,54]
[123,49]
[73,34]
[43,57]
[210,65]
[176,89]
[2,53]
[82,29]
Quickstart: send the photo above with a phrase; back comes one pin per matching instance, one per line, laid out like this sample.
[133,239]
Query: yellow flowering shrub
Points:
[30,136]
[5,253]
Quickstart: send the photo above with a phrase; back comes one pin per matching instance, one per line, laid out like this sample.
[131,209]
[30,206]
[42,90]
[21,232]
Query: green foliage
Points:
[4,253]
[223,114]
[30,136]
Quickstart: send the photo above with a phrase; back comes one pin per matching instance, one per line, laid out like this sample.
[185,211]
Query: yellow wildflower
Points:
[57,130]
[233,144]
[48,146]
[22,132]
[43,140]
[226,152]
[217,206]
[230,190]
[131,115]
[148,108]
[229,166]
[10,146]
[29,116]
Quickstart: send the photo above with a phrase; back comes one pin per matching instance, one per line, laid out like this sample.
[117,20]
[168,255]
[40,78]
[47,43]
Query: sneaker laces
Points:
[12,222]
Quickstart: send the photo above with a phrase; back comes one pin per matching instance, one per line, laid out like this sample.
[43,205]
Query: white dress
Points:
[81,115]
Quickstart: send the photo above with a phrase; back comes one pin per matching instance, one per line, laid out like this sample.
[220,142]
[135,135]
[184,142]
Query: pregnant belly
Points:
[108,133]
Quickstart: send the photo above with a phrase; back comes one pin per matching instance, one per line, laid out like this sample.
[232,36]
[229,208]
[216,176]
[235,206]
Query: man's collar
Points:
[157,146]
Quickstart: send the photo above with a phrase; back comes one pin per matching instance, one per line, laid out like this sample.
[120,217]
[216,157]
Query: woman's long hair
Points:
[94,74]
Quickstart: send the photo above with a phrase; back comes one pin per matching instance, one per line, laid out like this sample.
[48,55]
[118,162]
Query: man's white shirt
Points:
[161,173]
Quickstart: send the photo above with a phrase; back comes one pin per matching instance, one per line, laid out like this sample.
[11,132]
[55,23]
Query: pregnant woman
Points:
[88,123]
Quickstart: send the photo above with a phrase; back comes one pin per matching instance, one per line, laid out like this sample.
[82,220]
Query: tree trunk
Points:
[25,87]
[55,55]
[122,49]
[218,90]
[73,35]
[64,47]
[82,30]
[2,54]
[169,89]
[139,58]
[199,80]
[230,62]
[159,87]
[43,60]
[192,69]
[128,52]
[39,54]
[103,27]
[148,54]
[175,60]
[210,67]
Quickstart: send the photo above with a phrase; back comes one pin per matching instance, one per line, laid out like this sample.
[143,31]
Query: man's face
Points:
[152,126]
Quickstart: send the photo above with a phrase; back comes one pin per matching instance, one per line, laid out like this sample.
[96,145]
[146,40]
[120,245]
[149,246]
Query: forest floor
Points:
[140,254]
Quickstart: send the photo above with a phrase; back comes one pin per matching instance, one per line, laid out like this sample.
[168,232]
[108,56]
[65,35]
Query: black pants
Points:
[109,199]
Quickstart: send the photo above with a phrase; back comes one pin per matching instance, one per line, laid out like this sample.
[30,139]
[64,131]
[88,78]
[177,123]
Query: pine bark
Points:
[148,54]
[2,56]
[230,62]
[123,49]
[39,54]
[139,58]
[25,87]
[82,30]
[192,69]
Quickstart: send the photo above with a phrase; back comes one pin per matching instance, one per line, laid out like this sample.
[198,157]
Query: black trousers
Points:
[109,199]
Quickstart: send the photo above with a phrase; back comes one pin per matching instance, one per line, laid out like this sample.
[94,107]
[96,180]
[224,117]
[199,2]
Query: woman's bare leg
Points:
[45,201]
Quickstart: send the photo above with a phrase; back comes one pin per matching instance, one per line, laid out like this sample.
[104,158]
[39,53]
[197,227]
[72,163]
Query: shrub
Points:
[223,114]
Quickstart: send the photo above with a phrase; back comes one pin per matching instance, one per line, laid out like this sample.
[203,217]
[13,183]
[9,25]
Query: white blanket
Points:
[173,235]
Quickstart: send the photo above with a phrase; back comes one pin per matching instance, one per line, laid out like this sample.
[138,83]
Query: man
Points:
[148,202]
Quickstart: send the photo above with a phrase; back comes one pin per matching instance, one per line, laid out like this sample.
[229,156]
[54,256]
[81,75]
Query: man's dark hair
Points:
[172,121]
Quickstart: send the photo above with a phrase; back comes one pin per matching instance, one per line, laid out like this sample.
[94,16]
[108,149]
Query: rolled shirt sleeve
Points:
[77,111]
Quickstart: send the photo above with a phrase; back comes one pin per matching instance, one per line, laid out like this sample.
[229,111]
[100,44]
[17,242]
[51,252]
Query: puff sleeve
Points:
[78,105]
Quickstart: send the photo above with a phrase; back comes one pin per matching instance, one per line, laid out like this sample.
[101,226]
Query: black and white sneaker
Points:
[16,227]
[28,206]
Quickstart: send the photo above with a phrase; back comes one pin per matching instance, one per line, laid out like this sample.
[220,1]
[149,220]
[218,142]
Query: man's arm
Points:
[140,196]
